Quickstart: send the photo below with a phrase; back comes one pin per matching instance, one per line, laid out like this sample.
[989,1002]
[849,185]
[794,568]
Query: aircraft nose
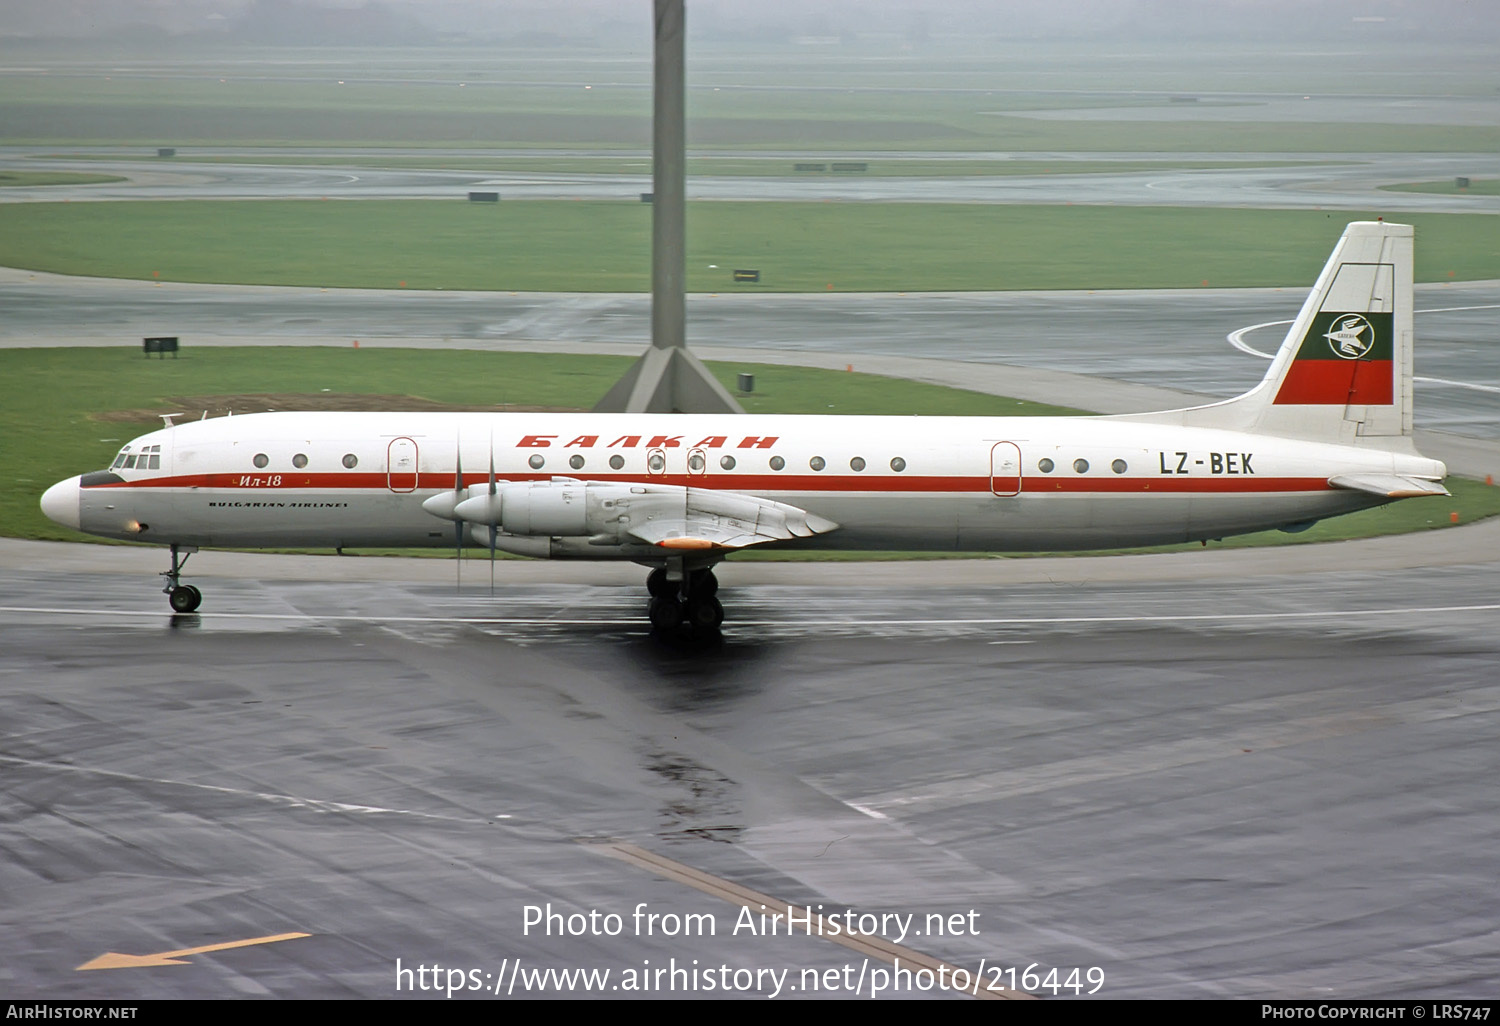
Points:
[60,503]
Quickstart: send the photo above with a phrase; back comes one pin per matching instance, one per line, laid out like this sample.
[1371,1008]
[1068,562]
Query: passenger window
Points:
[616,461]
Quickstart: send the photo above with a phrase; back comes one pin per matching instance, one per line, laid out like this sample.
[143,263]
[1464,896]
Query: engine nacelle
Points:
[560,508]
[545,509]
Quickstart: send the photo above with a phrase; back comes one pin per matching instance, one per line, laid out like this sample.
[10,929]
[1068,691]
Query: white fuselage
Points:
[936,483]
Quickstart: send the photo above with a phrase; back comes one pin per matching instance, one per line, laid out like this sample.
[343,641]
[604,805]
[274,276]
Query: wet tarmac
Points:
[1336,181]
[1228,780]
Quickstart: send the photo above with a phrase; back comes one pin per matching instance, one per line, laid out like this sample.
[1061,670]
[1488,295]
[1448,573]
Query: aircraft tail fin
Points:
[1344,372]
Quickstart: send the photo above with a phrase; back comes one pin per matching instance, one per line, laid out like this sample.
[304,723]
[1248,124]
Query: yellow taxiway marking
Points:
[872,945]
[115,960]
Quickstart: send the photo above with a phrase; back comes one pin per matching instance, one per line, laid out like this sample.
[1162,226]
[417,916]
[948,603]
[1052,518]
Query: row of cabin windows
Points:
[656,462]
[299,461]
[150,459]
[1080,466]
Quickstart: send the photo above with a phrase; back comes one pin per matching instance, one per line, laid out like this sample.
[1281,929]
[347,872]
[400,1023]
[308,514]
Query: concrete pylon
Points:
[668,378]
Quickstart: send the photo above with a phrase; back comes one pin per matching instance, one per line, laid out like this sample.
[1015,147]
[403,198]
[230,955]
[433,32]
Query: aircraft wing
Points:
[700,518]
[1391,486]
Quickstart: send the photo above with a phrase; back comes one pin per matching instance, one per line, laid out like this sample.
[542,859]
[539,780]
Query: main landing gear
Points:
[687,601]
[183,598]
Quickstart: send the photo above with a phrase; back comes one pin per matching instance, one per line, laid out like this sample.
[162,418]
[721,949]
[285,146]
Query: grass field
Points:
[577,246]
[114,394]
[1449,187]
[838,109]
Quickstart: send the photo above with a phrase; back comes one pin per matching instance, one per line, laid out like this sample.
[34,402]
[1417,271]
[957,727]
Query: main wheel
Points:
[704,611]
[658,585]
[185,598]
[665,613]
[703,584]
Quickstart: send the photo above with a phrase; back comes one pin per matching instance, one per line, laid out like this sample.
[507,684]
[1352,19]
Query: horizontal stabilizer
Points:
[1391,486]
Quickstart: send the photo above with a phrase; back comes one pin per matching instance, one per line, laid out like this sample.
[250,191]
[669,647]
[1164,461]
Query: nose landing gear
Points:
[183,598]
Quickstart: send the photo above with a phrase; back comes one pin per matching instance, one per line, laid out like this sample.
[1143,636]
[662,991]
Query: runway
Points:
[1327,180]
[1259,781]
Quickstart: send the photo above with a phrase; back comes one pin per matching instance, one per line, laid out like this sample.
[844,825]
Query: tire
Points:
[665,613]
[658,585]
[705,612]
[703,584]
[185,598]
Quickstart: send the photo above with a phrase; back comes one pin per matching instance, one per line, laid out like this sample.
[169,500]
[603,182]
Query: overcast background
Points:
[897,25]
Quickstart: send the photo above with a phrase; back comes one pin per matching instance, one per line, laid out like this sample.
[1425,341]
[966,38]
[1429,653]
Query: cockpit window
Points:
[149,458]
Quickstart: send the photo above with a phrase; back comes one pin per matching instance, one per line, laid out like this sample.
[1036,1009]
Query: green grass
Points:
[577,246]
[1449,187]
[54,430]
[14,178]
[826,112]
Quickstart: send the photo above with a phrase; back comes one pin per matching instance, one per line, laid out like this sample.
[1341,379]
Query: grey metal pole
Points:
[668,378]
[669,182]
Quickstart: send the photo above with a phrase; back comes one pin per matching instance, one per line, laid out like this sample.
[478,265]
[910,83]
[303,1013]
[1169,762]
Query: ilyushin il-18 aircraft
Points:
[1328,431]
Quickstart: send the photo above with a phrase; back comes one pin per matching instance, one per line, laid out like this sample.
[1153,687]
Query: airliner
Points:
[1328,431]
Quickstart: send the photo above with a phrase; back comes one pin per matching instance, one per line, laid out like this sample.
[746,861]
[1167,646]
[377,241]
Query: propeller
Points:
[458,525]
[494,529]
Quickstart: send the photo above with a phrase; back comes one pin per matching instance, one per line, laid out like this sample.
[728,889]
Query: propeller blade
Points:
[458,525]
[492,525]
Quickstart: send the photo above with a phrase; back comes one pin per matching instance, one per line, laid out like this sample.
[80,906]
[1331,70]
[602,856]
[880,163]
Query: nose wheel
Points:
[690,601]
[183,598]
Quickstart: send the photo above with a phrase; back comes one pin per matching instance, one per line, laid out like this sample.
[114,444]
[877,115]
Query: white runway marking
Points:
[543,621]
[293,801]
